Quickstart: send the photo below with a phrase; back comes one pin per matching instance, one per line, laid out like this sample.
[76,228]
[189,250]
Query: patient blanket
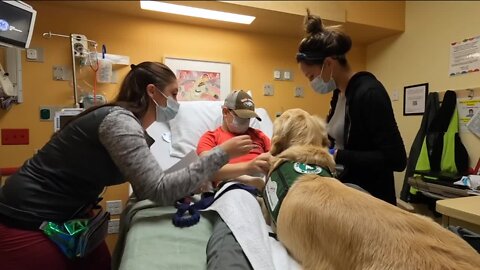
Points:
[243,215]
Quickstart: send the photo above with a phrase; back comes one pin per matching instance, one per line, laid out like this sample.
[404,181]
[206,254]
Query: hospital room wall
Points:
[253,57]
[421,55]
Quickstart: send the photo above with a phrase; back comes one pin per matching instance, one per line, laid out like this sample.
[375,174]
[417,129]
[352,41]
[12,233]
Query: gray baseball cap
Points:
[242,104]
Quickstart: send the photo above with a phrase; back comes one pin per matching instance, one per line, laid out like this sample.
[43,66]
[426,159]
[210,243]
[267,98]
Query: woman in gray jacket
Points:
[103,146]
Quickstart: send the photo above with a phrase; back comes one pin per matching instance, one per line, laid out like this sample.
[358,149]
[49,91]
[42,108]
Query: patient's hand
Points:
[259,165]
[237,146]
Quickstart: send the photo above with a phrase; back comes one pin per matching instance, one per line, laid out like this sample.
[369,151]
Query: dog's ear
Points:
[277,146]
[279,135]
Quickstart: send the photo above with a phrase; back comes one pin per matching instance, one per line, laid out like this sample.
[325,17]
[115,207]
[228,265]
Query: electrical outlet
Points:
[268,90]
[298,92]
[113,226]
[114,207]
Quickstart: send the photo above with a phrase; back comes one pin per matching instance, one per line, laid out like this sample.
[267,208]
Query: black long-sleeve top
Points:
[374,148]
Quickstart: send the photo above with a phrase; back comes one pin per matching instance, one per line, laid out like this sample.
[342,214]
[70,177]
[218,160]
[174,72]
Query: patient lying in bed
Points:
[237,111]
[223,250]
[153,242]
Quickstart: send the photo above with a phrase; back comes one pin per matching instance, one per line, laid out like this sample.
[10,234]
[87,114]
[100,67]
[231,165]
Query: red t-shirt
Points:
[218,136]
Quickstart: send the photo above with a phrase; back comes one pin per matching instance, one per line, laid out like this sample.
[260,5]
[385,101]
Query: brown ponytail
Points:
[312,24]
[321,42]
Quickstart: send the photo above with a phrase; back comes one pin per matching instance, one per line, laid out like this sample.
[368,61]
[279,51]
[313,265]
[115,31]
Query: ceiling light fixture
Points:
[196,12]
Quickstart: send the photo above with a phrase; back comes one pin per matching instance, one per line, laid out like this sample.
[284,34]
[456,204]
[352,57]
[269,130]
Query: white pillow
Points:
[194,118]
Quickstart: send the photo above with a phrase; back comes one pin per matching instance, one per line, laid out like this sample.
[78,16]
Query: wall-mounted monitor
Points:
[64,116]
[16,23]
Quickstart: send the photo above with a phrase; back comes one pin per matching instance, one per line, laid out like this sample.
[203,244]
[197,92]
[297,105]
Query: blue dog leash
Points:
[180,220]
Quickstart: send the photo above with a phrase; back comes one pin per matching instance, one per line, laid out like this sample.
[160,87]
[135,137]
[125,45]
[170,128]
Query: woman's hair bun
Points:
[313,24]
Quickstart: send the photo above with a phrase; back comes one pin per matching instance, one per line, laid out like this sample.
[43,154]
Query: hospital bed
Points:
[149,240]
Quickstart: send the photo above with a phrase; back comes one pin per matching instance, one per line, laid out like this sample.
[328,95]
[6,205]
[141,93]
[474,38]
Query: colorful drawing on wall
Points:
[200,80]
[198,85]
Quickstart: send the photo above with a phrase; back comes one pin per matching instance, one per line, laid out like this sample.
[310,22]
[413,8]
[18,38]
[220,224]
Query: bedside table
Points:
[464,212]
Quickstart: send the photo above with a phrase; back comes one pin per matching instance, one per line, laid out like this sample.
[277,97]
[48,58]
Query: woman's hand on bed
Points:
[237,146]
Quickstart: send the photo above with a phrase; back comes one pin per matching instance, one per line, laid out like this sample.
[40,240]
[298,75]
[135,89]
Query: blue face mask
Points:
[322,87]
[165,114]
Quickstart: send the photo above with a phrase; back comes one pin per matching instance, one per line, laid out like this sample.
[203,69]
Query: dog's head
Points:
[300,139]
[296,127]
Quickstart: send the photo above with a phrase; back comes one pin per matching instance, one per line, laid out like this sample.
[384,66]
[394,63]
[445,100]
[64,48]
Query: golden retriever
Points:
[325,224]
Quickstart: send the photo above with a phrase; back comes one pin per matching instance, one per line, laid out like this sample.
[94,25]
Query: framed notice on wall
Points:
[415,99]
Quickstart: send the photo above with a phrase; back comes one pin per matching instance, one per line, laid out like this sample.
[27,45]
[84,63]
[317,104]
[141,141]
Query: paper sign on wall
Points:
[465,56]
[467,108]
[474,124]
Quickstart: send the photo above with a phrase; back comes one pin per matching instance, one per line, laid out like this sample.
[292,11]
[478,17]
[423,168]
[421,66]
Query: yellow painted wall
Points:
[386,14]
[421,54]
[328,10]
[253,58]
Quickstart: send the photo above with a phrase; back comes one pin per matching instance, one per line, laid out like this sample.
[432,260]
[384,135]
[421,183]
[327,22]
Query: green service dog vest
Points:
[282,178]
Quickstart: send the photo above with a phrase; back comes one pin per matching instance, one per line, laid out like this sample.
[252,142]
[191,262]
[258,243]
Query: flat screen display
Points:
[16,24]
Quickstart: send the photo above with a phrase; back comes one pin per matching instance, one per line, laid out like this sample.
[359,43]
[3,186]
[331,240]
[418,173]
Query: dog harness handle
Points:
[180,220]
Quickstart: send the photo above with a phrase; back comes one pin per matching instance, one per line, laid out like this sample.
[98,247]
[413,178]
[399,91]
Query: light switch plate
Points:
[277,74]
[395,95]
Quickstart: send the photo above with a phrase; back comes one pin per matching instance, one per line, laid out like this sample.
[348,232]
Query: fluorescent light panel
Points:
[196,12]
